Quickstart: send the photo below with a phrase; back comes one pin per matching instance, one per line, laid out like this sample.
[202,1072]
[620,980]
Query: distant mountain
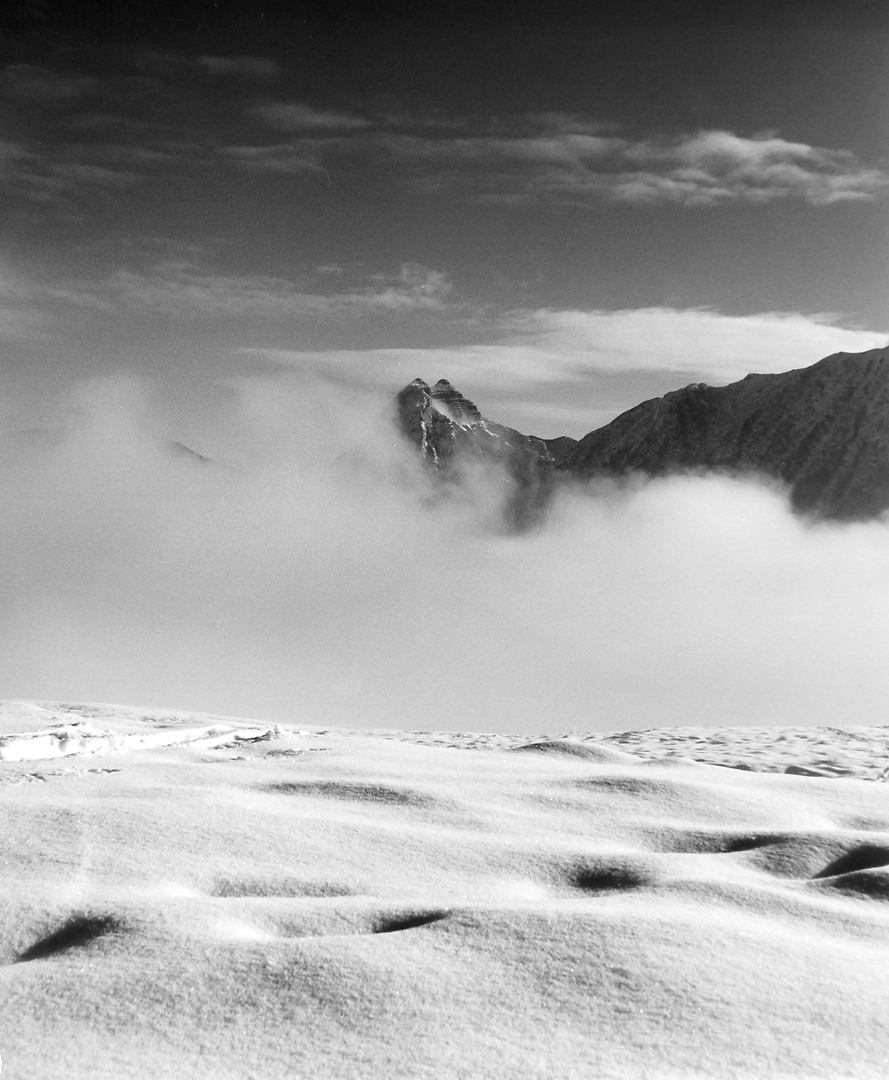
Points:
[454,438]
[186,452]
[27,442]
[823,430]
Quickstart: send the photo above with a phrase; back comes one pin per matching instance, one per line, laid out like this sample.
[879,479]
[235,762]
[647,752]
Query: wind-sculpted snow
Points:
[305,901]
[42,730]
[66,740]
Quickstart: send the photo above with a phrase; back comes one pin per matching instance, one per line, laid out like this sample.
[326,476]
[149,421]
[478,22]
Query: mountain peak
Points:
[447,399]
[823,430]
[454,438]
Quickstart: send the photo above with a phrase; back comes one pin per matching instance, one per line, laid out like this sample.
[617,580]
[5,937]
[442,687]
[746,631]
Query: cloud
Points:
[38,178]
[565,148]
[245,67]
[561,159]
[285,116]
[717,167]
[549,159]
[295,586]
[152,107]
[712,168]
[180,287]
[709,343]
[414,286]
[74,173]
[124,126]
[547,371]
[282,158]
[180,66]
[579,369]
[32,83]
[166,65]
[61,175]
[12,156]
[22,316]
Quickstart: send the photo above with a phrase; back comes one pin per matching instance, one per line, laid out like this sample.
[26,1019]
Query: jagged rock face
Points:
[823,430]
[452,436]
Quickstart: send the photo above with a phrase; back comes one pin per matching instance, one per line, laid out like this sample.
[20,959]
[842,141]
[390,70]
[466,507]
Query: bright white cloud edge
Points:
[558,353]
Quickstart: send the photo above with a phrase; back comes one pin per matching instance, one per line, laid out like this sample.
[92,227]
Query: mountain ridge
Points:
[823,430]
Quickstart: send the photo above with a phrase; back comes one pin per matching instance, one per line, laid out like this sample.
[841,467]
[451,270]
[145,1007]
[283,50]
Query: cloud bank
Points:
[307,578]
[546,369]
[549,371]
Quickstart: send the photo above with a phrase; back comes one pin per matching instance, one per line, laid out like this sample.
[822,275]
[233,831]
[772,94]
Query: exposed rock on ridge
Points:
[453,436]
[823,430]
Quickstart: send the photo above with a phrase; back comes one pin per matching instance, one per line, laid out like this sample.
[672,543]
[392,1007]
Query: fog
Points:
[308,575]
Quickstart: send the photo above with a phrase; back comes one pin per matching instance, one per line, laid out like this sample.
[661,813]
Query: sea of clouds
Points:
[307,574]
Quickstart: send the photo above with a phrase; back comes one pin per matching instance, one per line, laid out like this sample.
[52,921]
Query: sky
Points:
[244,227]
[562,209]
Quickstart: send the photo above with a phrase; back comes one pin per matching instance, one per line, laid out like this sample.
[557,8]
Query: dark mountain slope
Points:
[561,447]
[824,430]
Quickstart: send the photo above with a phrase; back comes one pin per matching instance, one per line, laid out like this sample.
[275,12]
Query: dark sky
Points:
[561,208]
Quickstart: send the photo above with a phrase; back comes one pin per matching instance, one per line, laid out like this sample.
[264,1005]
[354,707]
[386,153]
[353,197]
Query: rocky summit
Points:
[455,439]
[822,430]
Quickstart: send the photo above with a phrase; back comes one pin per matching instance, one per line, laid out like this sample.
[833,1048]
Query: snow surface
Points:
[200,896]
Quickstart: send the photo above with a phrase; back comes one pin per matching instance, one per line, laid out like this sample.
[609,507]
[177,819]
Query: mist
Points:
[308,574]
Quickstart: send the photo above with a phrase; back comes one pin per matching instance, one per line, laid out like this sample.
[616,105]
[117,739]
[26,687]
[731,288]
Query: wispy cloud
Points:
[11,156]
[179,65]
[182,288]
[22,318]
[40,179]
[710,168]
[245,67]
[98,133]
[572,148]
[74,173]
[38,84]
[716,167]
[293,157]
[554,158]
[545,370]
[180,106]
[297,117]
